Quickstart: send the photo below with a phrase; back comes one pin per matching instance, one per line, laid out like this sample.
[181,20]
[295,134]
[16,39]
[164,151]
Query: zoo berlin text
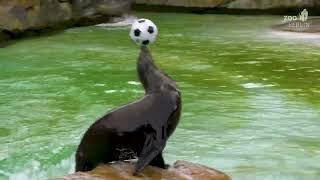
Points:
[299,21]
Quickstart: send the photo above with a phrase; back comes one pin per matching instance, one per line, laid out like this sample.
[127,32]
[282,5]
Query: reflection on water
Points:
[251,102]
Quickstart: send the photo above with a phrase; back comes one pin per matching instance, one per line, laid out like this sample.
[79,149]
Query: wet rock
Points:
[123,170]
[269,4]
[17,16]
[183,3]
[124,21]
[233,4]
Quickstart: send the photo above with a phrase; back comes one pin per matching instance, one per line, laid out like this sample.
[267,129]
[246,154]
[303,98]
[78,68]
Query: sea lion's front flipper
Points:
[158,161]
[161,108]
[153,147]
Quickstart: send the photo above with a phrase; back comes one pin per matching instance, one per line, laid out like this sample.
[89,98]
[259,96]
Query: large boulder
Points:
[123,170]
[269,4]
[17,16]
[234,4]
[182,3]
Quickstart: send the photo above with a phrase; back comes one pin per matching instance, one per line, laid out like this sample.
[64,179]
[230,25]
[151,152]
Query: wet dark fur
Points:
[141,128]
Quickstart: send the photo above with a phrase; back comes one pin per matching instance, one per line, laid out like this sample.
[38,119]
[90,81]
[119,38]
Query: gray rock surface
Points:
[268,4]
[183,3]
[234,4]
[17,16]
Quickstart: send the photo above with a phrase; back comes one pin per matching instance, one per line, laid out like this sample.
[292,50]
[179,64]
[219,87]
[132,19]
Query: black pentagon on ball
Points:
[150,29]
[137,32]
[141,20]
[145,42]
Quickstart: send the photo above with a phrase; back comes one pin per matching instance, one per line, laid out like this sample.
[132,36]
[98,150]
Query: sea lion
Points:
[140,129]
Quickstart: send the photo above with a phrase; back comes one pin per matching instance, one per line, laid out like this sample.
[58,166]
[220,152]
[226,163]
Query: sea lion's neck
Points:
[150,76]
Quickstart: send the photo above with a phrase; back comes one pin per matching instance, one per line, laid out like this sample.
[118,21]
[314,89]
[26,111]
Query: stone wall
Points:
[269,4]
[234,4]
[182,3]
[20,16]
[17,16]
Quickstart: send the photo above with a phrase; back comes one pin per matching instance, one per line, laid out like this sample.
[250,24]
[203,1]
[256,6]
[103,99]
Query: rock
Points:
[123,170]
[124,21]
[17,16]
[269,4]
[183,3]
[3,39]
[233,6]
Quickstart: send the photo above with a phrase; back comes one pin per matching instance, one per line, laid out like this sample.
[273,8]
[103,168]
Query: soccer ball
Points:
[143,32]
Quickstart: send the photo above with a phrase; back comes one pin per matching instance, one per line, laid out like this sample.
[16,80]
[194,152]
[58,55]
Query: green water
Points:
[251,100]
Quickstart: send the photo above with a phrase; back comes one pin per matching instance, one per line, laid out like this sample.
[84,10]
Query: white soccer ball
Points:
[143,32]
